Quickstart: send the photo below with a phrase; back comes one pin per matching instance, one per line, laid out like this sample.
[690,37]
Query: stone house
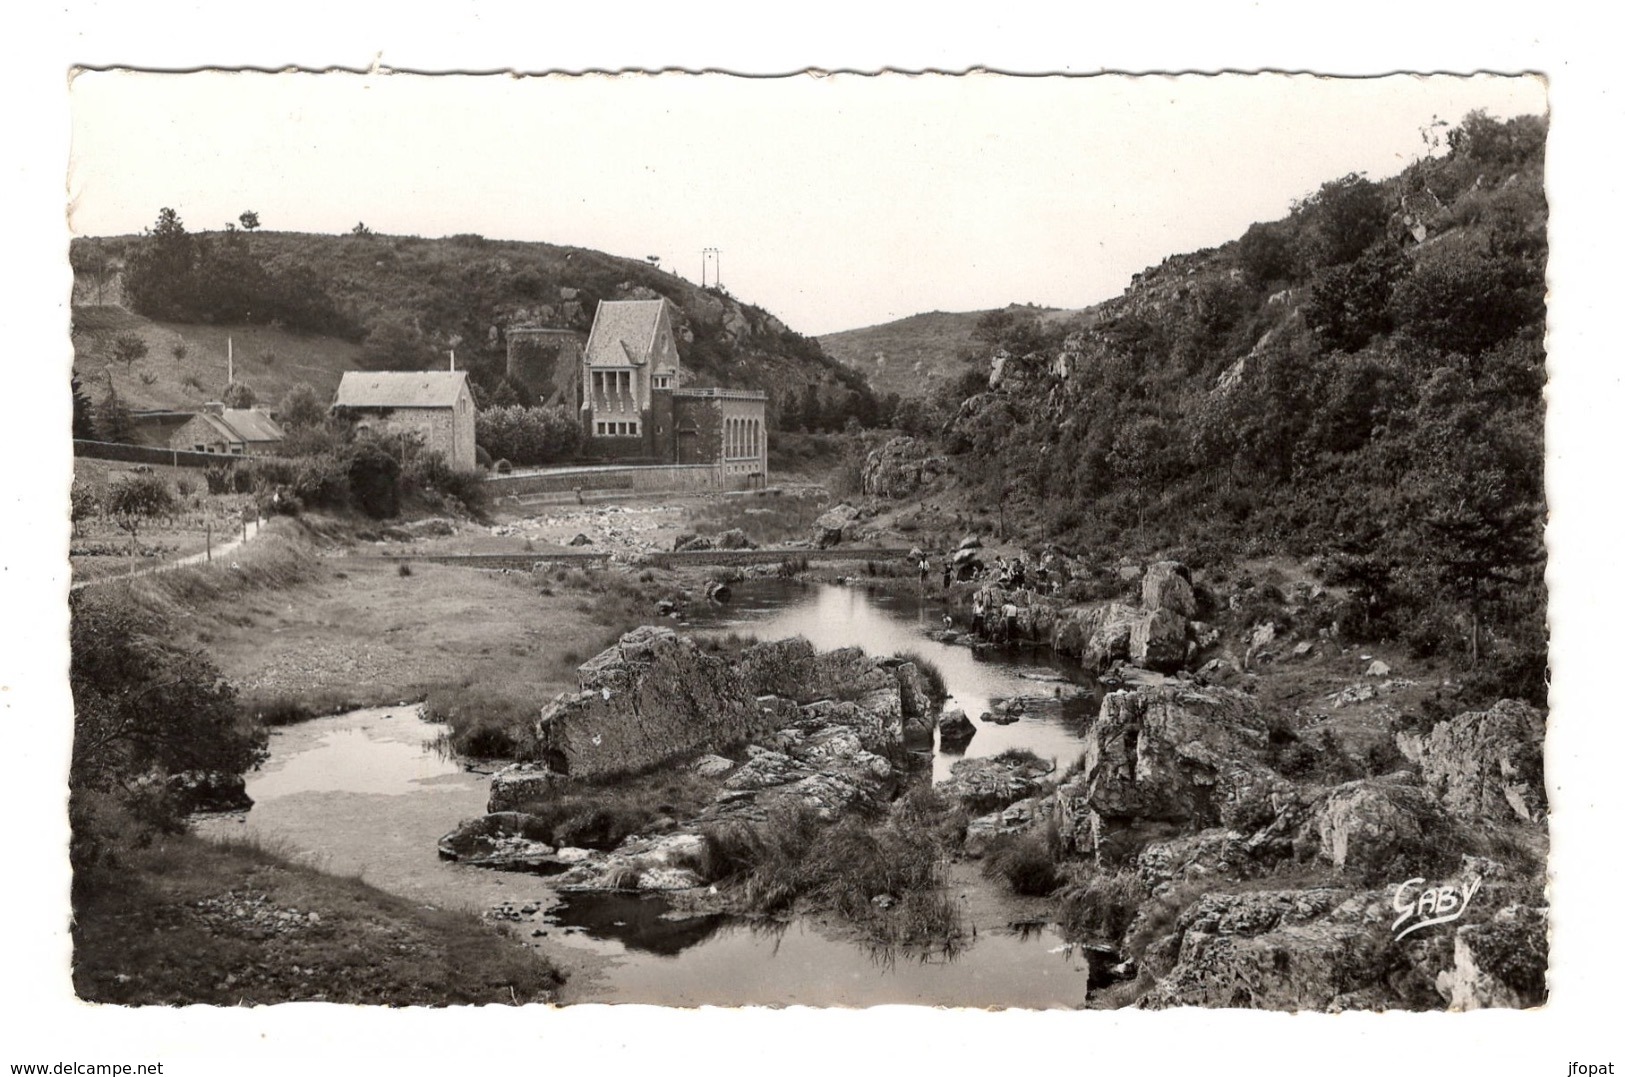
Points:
[231,431]
[632,408]
[434,405]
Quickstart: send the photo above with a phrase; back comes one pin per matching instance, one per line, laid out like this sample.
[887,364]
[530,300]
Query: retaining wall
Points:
[653,477]
[146,454]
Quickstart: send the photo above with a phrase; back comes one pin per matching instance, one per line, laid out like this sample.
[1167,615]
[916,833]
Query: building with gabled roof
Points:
[633,408]
[433,405]
[231,431]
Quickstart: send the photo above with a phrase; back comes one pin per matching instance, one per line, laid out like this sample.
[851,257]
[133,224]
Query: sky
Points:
[836,201]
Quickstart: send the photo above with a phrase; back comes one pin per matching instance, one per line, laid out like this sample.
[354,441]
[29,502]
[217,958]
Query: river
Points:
[364,793]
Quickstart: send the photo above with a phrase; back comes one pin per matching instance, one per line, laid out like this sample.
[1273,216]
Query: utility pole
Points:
[709,257]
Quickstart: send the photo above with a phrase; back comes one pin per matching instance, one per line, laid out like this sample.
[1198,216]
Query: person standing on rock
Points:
[925,570]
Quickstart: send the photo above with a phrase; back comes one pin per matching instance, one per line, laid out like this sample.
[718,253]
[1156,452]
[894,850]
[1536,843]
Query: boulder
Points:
[506,839]
[1097,635]
[652,697]
[985,784]
[955,730]
[733,539]
[795,670]
[519,784]
[712,766]
[581,540]
[837,525]
[691,542]
[1173,754]
[1157,641]
[1167,586]
[1017,818]
[1486,764]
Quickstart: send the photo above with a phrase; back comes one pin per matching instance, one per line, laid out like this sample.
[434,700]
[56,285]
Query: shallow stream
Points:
[365,793]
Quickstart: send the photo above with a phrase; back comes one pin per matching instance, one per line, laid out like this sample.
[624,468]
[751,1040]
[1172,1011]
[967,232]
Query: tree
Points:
[144,709]
[159,280]
[137,499]
[84,428]
[301,408]
[361,229]
[239,394]
[250,220]
[1344,217]
[127,348]
[178,350]
[113,419]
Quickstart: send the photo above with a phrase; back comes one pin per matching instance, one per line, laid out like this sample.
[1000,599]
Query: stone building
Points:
[232,431]
[632,408]
[434,405]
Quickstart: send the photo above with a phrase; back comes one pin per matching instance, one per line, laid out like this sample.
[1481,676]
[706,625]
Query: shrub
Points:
[1101,905]
[1026,861]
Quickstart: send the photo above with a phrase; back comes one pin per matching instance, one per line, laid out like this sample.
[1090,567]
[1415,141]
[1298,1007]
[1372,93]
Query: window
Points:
[600,430]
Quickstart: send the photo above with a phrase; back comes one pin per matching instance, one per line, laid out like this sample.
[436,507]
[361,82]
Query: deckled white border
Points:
[40,1020]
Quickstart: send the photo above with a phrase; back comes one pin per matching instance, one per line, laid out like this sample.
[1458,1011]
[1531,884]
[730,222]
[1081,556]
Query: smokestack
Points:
[453,353]
[229,377]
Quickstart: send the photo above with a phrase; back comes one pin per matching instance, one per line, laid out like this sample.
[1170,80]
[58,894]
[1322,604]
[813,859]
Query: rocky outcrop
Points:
[1485,764]
[506,839]
[1097,635]
[1208,854]
[794,670]
[900,468]
[651,697]
[1499,963]
[1167,586]
[1272,950]
[1157,641]
[839,524]
[1173,754]
[1330,948]
[1376,827]
[1018,818]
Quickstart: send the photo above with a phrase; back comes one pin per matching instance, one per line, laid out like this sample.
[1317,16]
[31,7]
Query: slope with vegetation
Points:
[1360,382]
[304,307]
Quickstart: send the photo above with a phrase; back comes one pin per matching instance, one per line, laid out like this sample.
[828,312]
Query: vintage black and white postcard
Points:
[836,540]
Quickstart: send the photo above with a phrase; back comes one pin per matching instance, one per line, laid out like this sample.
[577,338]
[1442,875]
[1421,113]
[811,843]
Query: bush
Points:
[1101,906]
[1026,861]
[144,709]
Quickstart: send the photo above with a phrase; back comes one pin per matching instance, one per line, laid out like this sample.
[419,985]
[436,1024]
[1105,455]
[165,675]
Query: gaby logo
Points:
[1420,905]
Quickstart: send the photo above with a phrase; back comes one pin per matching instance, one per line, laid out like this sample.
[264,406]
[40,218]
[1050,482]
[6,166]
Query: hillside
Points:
[1359,384]
[915,356]
[303,307]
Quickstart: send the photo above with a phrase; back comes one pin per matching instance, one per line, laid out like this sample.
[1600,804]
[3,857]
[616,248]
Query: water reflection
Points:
[643,924]
[886,623]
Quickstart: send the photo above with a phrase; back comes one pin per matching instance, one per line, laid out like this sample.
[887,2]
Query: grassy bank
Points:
[190,921]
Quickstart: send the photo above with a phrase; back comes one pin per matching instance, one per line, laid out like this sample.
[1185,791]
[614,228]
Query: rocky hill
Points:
[916,356]
[1359,383]
[304,307]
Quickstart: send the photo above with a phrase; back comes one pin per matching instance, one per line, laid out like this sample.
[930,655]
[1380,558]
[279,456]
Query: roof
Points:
[242,424]
[623,331]
[252,424]
[400,389]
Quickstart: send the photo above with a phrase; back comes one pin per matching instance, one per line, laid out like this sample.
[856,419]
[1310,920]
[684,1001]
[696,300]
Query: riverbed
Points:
[366,793]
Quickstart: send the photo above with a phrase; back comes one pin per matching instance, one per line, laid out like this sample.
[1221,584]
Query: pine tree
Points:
[113,419]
